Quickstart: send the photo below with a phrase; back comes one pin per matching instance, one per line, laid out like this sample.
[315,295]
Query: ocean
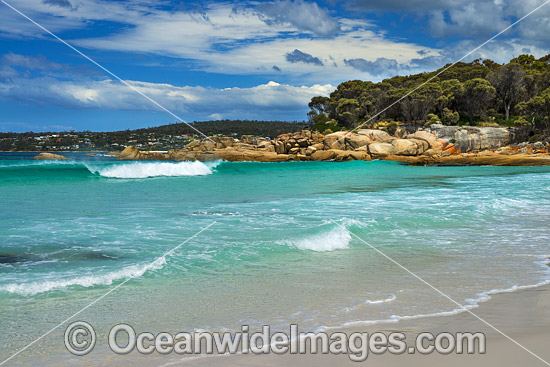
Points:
[281,248]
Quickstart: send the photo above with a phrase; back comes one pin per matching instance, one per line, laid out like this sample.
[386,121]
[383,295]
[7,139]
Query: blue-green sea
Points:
[281,250]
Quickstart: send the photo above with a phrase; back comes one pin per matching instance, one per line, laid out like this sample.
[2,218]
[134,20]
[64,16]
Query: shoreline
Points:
[437,145]
[523,315]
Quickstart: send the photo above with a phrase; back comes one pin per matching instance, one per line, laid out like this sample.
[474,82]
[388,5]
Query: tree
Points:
[320,105]
[509,84]
[540,106]
[417,105]
[476,95]
[348,110]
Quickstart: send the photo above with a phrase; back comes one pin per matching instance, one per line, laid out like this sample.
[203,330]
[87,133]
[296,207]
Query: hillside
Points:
[481,92]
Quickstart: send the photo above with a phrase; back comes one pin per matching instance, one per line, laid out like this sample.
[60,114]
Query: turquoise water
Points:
[281,250]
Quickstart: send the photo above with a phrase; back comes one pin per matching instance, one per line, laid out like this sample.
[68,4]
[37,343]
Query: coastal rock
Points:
[317,137]
[347,155]
[234,155]
[223,141]
[294,151]
[471,138]
[342,155]
[182,155]
[310,150]
[248,139]
[487,158]
[207,157]
[264,144]
[380,150]
[360,155]
[207,144]
[404,147]
[302,142]
[51,156]
[279,147]
[357,141]
[129,153]
[428,137]
[335,140]
[193,144]
[422,145]
[376,135]
[267,145]
[323,155]
[133,153]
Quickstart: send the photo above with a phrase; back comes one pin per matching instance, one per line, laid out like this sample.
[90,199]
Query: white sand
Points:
[522,315]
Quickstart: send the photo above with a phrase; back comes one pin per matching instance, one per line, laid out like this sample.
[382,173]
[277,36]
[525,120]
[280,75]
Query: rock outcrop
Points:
[133,153]
[51,156]
[473,139]
[437,145]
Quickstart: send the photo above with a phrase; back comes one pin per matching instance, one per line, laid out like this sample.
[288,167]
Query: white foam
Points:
[22,163]
[154,169]
[33,288]
[335,239]
[392,297]
[470,304]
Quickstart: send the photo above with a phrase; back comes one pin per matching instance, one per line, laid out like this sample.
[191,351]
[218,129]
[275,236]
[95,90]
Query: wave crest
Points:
[154,169]
[33,288]
[335,239]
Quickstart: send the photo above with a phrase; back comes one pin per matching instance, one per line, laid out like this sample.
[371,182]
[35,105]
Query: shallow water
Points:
[282,249]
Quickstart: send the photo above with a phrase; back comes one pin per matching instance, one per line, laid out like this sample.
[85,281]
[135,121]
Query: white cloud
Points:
[270,99]
[303,15]
[223,39]
[477,20]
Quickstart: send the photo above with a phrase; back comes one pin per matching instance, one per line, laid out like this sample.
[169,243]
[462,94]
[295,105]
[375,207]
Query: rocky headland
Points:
[51,156]
[438,144]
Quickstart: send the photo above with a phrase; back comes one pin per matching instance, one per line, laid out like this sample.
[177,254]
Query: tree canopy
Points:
[467,93]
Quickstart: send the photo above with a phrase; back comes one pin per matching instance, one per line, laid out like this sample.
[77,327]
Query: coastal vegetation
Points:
[478,93]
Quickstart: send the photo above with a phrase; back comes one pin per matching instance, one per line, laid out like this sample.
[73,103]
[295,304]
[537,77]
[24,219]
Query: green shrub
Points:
[522,121]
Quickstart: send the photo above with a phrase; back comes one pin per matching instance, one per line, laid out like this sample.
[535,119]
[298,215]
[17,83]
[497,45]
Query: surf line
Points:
[168,253]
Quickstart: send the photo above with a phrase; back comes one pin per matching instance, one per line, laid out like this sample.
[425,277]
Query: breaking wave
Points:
[335,239]
[154,169]
[33,288]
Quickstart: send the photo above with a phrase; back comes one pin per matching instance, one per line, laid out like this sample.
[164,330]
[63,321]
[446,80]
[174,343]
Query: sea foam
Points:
[154,169]
[335,239]
[86,281]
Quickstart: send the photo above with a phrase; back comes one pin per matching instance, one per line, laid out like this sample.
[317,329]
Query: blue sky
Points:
[237,60]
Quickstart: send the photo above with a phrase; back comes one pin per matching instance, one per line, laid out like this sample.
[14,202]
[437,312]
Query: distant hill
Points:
[172,136]
[228,127]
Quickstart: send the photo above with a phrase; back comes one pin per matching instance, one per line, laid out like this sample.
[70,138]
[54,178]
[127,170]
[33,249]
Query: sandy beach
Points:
[523,315]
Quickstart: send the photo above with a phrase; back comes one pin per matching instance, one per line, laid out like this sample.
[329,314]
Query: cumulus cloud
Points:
[378,67]
[299,56]
[271,98]
[303,15]
[474,20]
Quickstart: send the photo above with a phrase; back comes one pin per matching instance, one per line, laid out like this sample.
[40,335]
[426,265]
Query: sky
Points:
[258,60]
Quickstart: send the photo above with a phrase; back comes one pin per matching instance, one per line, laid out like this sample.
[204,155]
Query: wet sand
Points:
[523,315]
